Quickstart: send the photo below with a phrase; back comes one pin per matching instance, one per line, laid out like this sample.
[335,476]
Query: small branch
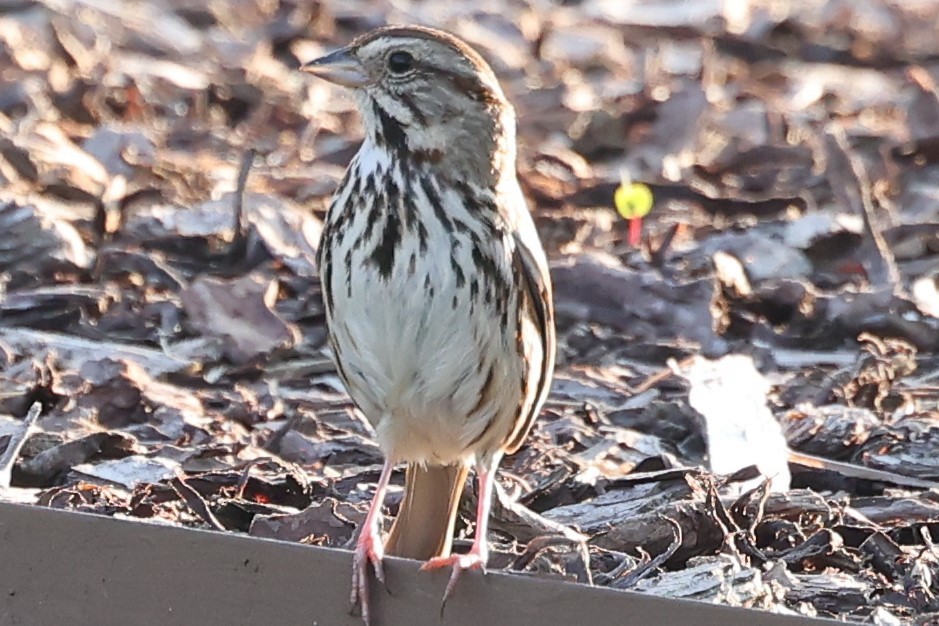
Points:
[239,245]
[633,577]
[658,257]
[246,475]
[273,443]
[195,501]
[858,471]
[852,189]
[523,523]
[538,544]
[246,162]
[8,459]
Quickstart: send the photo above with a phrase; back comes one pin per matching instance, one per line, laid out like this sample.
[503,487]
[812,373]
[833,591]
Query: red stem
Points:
[635,231]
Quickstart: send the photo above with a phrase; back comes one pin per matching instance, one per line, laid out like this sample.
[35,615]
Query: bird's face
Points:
[422,91]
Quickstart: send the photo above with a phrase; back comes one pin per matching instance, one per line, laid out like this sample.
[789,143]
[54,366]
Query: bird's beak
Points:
[341,67]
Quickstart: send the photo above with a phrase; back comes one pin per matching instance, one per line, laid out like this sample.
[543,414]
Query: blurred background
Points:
[791,150]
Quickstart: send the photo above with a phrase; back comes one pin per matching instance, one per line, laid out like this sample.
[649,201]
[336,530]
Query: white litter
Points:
[741,431]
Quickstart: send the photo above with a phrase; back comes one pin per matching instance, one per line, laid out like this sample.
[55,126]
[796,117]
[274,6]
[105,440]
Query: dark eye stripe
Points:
[473,88]
[467,85]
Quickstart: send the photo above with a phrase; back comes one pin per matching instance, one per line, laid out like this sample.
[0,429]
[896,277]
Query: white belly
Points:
[416,357]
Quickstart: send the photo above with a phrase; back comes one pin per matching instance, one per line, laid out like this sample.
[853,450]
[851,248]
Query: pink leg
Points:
[369,548]
[478,555]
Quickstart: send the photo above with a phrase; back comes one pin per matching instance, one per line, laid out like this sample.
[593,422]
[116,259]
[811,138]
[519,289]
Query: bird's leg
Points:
[369,548]
[478,555]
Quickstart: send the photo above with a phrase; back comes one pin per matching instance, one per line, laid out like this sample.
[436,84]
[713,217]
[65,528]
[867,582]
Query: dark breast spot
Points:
[383,256]
[391,133]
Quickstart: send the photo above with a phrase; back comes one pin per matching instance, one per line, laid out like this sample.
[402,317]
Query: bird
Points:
[436,288]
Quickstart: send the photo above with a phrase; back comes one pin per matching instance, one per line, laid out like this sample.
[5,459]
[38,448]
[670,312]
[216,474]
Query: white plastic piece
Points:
[741,431]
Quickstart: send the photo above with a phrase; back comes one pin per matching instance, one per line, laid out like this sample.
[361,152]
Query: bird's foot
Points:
[476,558]
[369,550]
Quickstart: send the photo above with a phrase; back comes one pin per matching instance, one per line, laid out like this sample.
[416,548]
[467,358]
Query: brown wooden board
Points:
[64,568]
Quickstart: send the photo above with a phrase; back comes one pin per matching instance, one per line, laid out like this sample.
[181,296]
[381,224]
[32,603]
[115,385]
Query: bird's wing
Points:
[536,325]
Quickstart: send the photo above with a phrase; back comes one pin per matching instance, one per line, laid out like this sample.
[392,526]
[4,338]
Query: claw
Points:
[368,552]
[478,555]
[369,549]
[474,559]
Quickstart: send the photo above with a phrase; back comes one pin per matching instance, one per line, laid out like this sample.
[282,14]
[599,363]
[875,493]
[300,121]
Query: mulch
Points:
[164,172]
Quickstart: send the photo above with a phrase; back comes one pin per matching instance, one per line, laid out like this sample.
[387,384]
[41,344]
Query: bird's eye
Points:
[400,62]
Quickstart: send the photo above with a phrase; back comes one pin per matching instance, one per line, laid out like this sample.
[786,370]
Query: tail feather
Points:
[424,526]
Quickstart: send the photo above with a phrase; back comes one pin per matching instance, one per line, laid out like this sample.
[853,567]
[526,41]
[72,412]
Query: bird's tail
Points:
[424,526]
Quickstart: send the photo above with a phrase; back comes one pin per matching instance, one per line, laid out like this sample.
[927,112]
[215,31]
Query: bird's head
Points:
[428,95]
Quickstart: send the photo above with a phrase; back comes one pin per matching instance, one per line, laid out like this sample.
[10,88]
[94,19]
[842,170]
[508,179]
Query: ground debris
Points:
[165,172]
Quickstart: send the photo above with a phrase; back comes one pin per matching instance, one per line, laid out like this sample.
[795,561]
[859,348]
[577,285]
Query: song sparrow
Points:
[435,284]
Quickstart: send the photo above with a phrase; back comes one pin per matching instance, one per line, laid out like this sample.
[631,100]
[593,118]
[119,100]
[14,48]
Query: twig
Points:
[538,544]
[852,188]
[664,374]
[273,443]
[195,501]
[246,475]
[746,537]
[606,579]
[239,245]
[514,516]
[657,258]
[929,545]
[858,471]
[246,162]
[17,439]
[633,577]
